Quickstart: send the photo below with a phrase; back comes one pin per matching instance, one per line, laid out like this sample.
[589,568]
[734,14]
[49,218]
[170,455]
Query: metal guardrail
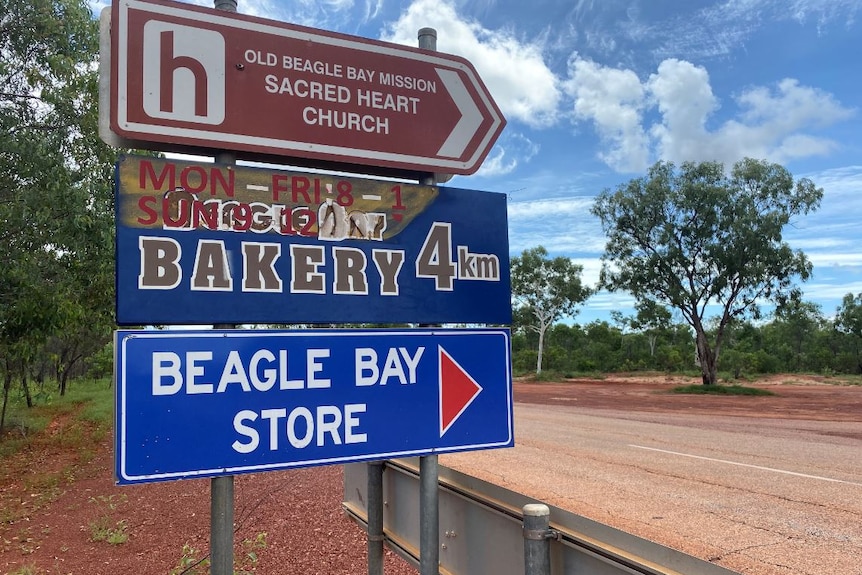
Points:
[483,532]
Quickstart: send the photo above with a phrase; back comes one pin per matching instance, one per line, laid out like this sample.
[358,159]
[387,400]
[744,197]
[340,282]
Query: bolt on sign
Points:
[211,243]
[197,78]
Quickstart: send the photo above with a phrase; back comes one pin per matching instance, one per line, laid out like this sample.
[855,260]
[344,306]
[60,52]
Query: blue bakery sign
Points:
[205,243]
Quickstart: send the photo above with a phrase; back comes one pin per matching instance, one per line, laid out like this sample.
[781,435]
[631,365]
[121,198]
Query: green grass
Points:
[84,417]
[94,399]
[700,389]
[89,404]
[555,375]
[113,532]
[846,379]
[547,375]
[97,399]
[106,527]
[190,563]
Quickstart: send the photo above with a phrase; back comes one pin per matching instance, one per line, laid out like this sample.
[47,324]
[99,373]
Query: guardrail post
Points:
[537,544]
[375,518]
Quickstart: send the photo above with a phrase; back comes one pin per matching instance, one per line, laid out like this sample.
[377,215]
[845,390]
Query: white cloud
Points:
[551,208]
[604,301]
[790,105]
[842,202]
[325,14]
[770,122]
[845,181]
[822,243]
[721,28]
[514,71]
[563,225]
[592,268]
[684,98]
[836,259]
[822,11]
[612,99]
[372,9]
[498,163]
[510,151]
[558,241]
[823,291]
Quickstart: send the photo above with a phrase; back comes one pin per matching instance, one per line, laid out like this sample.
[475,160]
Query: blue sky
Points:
[596,91]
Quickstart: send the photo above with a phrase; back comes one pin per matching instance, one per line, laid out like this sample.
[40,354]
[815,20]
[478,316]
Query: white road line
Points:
[747,465]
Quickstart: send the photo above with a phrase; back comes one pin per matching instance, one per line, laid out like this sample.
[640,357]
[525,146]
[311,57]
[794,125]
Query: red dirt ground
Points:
[52,501]
[796,397]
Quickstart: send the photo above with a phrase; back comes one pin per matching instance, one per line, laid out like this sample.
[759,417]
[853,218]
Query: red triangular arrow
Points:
[457,390]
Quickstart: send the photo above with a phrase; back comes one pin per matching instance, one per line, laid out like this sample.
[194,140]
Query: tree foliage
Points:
[849,321]
[697,237]
[651,318]
[56,200]
[544,290]
[797,338]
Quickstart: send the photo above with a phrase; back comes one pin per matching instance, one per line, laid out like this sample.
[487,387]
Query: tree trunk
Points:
[27,395]
[63,377]
[67,369]
[541,347]
[708,360]
[7,385]
[713,373]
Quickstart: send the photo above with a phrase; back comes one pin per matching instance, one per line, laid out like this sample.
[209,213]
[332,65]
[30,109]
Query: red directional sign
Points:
[199,78]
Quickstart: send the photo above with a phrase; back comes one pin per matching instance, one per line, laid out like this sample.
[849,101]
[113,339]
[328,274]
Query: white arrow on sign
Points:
[470,120]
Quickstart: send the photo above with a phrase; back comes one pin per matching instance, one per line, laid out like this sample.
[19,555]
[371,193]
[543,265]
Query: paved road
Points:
[758,496]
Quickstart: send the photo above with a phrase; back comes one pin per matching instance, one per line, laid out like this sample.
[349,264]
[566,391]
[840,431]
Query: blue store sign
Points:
[222,402]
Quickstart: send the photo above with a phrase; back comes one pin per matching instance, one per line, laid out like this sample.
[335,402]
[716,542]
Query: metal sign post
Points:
[429,504]
[222,488]
[374,532]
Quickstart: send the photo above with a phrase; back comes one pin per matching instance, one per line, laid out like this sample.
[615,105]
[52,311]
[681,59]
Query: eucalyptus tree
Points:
[545,290]
[799,328]
[652,319]
[698,239]
[848,320]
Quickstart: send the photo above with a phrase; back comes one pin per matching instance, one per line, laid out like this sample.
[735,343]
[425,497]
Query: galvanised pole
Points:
[375,518]
[429,501]
[222,488]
